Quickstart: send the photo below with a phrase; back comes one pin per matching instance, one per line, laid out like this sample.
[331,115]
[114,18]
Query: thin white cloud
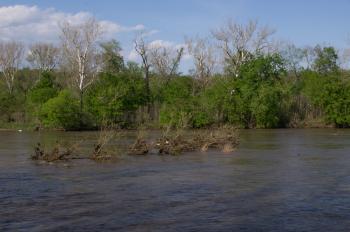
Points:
[31,23]
[150,33]
[161,43]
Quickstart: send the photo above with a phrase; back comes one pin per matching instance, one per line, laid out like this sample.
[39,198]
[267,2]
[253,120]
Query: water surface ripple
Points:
[278,180]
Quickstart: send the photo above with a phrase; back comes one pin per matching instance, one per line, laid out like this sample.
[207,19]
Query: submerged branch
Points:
[169,143]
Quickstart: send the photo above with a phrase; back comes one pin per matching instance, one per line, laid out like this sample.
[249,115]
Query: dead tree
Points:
[203,57]
[11,55]
[240,42]
[309,56]
[142,48]
[43,56]
[165,60]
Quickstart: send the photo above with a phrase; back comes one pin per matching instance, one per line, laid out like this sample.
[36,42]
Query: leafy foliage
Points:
[113,95]
[264,91]
[61,112]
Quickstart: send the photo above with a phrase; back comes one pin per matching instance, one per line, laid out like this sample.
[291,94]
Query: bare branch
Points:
[11,55]
[142,49]
[203,56]
[43,56]
[79,43]
[165,60]
[239,42]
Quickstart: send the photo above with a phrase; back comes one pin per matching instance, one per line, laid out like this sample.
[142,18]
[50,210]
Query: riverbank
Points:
[17,126]
[306,124]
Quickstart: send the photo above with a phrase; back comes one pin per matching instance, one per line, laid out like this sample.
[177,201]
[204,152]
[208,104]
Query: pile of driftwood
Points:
[169,143]
[58,153]
[63,153]
[175,143]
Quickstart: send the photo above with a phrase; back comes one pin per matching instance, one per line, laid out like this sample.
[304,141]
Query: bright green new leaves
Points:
[61,112]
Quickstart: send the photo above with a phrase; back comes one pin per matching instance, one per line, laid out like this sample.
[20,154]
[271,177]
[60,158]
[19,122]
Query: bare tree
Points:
[165,60]
[344,58]
[309,56]
[142,48]
[11,55]
[203,57]
[162,59]
[80,43]
[43,56]
[239,42]
[293,57]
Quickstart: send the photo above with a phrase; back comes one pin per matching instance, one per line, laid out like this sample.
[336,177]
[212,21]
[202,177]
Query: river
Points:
[277,180]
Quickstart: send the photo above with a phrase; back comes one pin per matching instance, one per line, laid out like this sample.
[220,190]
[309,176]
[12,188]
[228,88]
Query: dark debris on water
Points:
[174,143]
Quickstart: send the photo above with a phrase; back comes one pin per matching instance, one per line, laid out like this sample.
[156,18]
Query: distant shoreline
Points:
[132,129]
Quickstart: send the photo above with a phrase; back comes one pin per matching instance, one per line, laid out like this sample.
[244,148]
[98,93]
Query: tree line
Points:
[241,76]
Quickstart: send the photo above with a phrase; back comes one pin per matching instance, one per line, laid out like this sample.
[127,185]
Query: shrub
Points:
[61,112]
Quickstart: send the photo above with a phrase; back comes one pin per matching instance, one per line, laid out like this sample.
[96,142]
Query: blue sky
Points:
[302,22]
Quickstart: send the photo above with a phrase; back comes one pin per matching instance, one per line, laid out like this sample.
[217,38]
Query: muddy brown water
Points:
[277,180]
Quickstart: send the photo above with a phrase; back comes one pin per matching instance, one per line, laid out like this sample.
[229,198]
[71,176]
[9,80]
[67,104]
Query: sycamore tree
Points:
[80,53]
[11,55]
[239,43]
[204,58]
[43,56]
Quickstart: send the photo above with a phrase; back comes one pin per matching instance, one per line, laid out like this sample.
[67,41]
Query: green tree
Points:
[61,112]
[7,106]
[177,102]
[258,92]
[114,95]
[326,60]
[112,59]
[44,89]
